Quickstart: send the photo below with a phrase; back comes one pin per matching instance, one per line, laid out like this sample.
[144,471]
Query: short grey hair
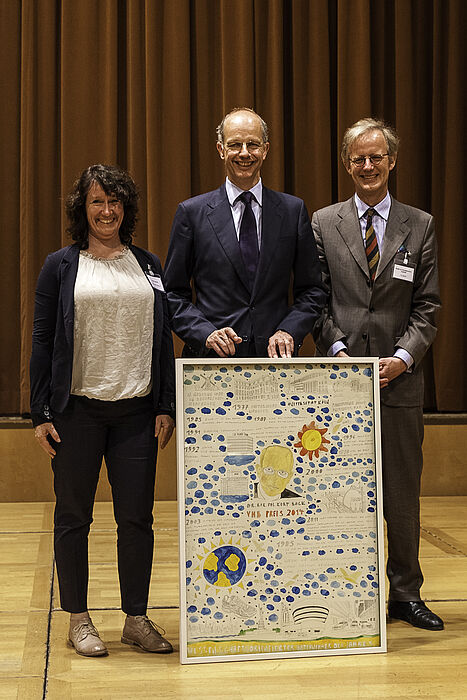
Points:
[369,124]
[220,127]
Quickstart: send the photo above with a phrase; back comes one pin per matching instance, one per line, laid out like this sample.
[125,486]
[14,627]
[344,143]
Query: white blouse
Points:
[113,329]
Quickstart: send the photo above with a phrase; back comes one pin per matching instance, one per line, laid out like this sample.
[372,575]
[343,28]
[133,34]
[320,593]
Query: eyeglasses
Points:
[251,146]
[111,203]
[374,160]
[280,472]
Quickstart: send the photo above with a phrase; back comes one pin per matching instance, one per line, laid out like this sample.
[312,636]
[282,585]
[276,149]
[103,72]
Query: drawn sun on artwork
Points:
[224,564]
[312,440]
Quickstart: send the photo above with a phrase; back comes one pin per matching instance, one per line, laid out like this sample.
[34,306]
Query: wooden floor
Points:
[36,663]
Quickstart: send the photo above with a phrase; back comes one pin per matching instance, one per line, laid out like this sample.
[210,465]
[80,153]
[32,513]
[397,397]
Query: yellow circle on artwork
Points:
[311,439]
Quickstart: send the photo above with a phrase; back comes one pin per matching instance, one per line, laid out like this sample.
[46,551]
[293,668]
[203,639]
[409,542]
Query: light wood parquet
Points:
[36,663]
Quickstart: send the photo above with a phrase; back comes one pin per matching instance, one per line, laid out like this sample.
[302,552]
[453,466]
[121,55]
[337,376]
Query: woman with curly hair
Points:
[102,385]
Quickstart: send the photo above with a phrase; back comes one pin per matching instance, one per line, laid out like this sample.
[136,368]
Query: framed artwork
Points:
[280,508]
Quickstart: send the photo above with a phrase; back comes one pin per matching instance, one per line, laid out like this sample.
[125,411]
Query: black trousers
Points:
[123,433]
[402,437]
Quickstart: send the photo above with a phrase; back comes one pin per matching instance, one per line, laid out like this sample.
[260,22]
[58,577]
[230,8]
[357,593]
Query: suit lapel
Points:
[271,218]
[349,229]
[68,272]
[220,217]
[395,234]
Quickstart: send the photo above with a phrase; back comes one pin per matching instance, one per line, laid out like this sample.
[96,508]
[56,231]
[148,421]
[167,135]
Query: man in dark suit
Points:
[240,246]
[380,266]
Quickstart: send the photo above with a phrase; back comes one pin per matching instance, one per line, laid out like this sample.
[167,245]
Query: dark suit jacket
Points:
[374,321]
[204,248]
[52,340]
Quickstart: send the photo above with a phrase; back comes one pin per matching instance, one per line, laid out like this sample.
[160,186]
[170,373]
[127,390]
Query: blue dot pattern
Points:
[301,561]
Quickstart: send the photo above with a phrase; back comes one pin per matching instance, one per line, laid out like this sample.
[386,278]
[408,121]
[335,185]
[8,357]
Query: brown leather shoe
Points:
[142,632]
[85,639]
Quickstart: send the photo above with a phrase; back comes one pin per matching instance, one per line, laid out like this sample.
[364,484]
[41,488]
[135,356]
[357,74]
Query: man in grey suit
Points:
[379,264]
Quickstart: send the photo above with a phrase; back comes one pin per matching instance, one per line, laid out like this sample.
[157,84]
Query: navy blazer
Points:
[204,248]
[52,339]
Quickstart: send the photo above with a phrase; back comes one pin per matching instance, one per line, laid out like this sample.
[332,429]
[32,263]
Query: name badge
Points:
[155,281]
[403,272]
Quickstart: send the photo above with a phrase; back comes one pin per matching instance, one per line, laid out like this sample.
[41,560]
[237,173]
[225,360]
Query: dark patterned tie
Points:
[371,244]
[248,236]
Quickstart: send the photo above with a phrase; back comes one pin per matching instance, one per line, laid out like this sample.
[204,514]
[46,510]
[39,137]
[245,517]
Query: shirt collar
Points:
[382,208]
[233,191]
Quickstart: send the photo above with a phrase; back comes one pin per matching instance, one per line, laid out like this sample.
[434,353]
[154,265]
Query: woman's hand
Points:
[41,433]
[164,428]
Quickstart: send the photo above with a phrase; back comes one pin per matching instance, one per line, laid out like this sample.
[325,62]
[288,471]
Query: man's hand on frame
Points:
[223,341]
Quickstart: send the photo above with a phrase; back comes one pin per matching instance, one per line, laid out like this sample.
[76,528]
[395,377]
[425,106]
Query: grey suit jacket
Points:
[375,320]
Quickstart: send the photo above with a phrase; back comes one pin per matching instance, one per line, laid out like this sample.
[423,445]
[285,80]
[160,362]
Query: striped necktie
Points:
[371,244]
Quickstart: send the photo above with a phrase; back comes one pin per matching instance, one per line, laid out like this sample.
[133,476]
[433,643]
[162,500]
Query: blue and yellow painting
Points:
[280,528]
[224,566]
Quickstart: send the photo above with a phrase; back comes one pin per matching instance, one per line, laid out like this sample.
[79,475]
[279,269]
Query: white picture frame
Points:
[280,508]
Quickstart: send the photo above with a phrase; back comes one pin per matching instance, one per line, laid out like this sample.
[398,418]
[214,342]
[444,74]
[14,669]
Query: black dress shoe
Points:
[416,613]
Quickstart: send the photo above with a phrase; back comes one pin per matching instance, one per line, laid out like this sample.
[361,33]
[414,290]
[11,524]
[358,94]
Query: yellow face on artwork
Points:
[275,469]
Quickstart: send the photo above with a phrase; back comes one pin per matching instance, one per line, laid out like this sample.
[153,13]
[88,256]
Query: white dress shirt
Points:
[238,207]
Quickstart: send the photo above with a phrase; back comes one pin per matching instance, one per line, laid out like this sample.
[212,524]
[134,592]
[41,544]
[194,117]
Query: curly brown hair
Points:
[114,181]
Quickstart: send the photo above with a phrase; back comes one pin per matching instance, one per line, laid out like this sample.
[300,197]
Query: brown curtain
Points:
[143,83]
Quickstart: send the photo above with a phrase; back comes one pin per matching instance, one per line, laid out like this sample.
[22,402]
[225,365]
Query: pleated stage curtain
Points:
[143,83]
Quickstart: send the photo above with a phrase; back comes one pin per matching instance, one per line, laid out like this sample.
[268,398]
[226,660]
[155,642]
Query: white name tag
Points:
[403,272]
[156,282]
